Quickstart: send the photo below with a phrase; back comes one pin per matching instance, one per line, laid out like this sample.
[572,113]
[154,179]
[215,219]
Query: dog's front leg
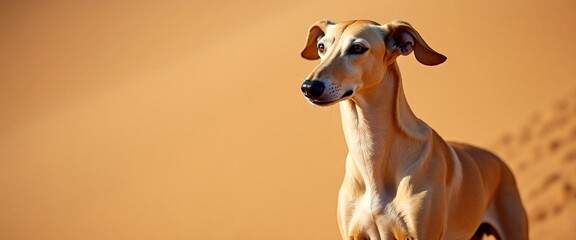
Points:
[430,220]
[418,211]
[346,207]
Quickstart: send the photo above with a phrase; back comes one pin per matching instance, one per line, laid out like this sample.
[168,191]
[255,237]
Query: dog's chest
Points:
[391,210]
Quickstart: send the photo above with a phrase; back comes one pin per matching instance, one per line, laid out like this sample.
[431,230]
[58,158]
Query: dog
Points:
[402,180]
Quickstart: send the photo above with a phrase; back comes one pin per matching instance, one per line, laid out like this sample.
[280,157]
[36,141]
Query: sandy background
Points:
[184,120]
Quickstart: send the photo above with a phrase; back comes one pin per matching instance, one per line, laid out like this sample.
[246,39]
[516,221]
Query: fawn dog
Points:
[402,180]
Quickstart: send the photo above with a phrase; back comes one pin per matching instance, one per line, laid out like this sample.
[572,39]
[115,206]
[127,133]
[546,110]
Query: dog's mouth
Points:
[344,96]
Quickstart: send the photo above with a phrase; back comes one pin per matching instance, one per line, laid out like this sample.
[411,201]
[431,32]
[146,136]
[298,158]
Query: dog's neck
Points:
[382,133]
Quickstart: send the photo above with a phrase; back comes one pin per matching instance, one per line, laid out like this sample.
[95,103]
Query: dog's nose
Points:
[312,89]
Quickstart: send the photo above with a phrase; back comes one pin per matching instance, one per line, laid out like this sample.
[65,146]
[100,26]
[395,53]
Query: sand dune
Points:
[542,153]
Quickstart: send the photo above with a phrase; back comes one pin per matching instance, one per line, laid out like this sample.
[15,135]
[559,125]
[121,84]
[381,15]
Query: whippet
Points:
[402,180]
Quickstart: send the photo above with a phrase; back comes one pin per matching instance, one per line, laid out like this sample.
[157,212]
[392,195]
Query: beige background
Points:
[184,120]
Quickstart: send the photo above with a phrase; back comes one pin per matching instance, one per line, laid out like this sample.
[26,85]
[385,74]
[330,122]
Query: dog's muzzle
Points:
[318,93]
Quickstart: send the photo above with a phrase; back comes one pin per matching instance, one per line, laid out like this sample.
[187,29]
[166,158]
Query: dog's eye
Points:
[321,48]
[357,49]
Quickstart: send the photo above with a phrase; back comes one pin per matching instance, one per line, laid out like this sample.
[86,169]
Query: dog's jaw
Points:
[347,95]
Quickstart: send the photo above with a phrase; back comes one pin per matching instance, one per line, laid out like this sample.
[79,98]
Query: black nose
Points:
[312,89]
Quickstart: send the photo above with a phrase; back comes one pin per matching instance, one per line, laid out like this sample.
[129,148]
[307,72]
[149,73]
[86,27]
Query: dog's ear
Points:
[317,31]
[401,39]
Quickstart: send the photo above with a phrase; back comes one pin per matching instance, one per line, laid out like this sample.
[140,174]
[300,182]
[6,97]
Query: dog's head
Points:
[355,55]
